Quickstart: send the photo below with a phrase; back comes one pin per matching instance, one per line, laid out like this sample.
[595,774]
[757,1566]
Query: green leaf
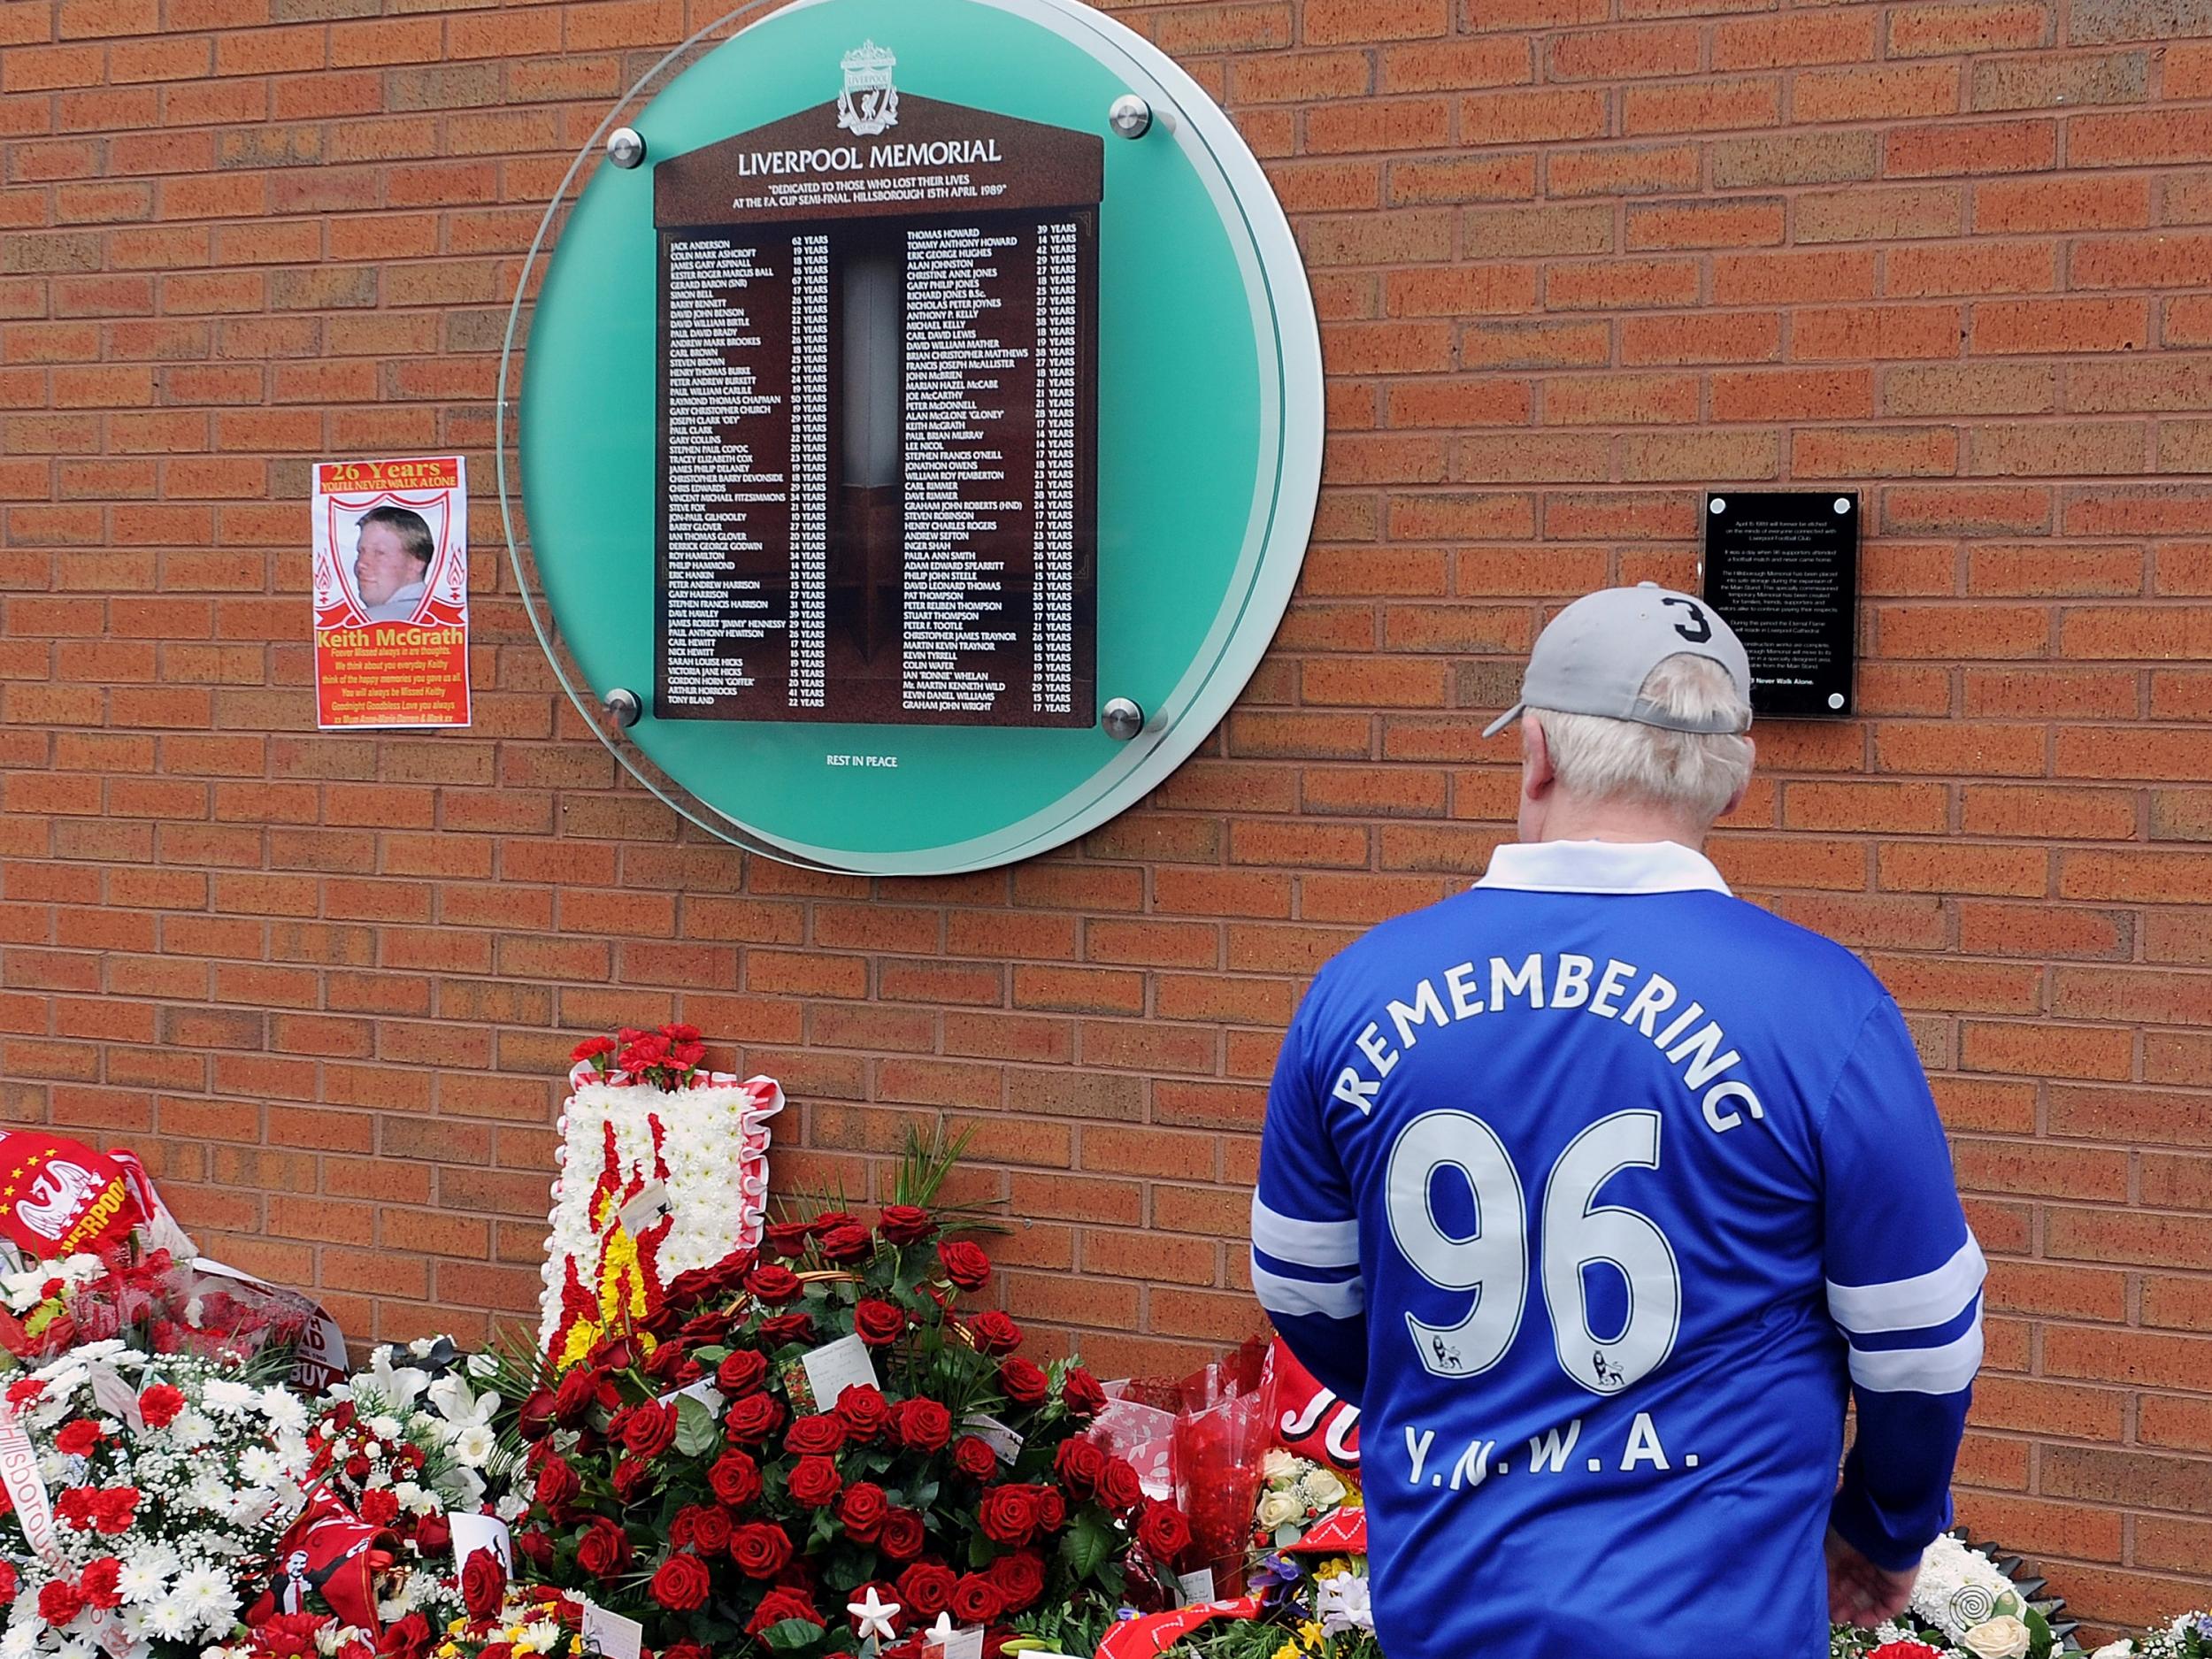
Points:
[980,1551]
[696,1431]
[791,1635]
[1088,1543]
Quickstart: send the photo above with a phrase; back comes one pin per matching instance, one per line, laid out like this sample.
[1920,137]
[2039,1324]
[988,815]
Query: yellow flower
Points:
[1288,1650]
[1311,1635]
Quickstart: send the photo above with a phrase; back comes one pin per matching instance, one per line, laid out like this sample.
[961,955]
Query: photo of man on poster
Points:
[391,563]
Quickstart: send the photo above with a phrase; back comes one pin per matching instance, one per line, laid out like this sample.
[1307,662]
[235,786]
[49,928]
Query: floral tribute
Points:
[805,1449]
[2187,1637]
[146,1498]
[1963,1606]
[664,1168]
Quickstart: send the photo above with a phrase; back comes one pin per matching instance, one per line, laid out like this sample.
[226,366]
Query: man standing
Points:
[1592,1184]
[391,551]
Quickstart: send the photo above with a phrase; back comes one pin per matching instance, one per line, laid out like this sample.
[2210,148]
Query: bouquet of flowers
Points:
[146,1495]
[2188,1637]
[805,1449]
[1294,1493]
[1963,1606]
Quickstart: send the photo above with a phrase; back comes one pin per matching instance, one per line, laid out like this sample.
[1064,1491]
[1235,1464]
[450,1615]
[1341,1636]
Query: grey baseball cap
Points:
[1593,656]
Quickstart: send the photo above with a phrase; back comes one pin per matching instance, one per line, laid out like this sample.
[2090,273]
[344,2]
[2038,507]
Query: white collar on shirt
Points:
[1601,867]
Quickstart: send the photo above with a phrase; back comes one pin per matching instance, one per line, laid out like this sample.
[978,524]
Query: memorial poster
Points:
[878,394]
[391,619]
[1782,567]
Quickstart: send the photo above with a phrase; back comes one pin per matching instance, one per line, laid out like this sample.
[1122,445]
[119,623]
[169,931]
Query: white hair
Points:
[1697,772]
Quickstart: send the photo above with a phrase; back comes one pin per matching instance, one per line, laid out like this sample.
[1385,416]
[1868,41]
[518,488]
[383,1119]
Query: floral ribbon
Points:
[18,1473]
[1154,1633]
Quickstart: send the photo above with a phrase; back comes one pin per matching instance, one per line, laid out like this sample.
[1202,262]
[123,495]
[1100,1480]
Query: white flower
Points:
[260,1466]
[1342,1603]
[2001,1637]
[1277,1465]
[482,1365]
[395,1387]
[511,1508]
[172,1618]
[417,1500]
[1321,1488]
[386,1428]
[192,1427]
[209,1596]
[475,1444]
[284,1408]
[143,1581]
[2120,1649]
[1279,1508]
[228,1396]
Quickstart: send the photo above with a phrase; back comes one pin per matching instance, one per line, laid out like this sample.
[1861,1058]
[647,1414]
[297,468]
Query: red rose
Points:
[815,1482]
[992,1333]
[965,1265]
[902,1536]
[761,1551]
[574,1397]
[1020,1578]
[863,1509]
[409,1639]
[751,1420]
[685,1650]
[534,1418]
[863,1410]
[735,1478]
[741,1373]
[483,1584]
[974,1457]
[773,1285]
[1079,1464]
[975,1599]
[78,1438]
[99,1582]
[379,1506]
[1008,1515]
[558,1485]
[606,1548]
[159,1405]
[705,1530]
[788,1239]
[848,1243]
[787,1327]
[1024,1383]
[903,1223]
[434,1536]
[878,1323]
[58,1603]
[633,1479]
[1164,1533]
[829,1221]
[682,1584]
[816,1436]
[689,1287]
[1052,1508]
[669,1359]
[778,1605]
[1120,1488]
[651,1429]
[1081,1394]
[534,1545]
[922,1425]
[927,1588]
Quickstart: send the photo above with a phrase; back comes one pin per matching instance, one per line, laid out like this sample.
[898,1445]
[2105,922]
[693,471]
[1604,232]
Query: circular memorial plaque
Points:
[921,430]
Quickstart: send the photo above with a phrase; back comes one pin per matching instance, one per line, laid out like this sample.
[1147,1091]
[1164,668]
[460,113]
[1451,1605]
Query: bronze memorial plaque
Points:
[878,402]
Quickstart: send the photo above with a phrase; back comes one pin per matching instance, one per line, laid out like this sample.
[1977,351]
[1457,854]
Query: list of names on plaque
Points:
[1053,647]
[809,676]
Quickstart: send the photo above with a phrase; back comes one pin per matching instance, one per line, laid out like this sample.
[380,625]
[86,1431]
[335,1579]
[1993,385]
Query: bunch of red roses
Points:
[667,1059]
[684,1475]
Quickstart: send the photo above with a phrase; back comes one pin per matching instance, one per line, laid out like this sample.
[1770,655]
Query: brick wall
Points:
[1576,259]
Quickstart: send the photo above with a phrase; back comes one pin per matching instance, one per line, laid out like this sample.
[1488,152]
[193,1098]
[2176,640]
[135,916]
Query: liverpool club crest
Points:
[870,103]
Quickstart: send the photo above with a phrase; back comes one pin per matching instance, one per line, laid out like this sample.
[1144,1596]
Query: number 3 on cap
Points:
[1697,619]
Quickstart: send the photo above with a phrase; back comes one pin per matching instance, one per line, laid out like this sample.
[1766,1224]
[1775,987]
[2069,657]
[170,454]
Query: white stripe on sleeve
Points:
[1292,1297]
[1308,1243]
[1920,1370]
[1911,1304]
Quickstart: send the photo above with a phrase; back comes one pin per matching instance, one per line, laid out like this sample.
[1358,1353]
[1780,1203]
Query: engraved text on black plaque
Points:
[1782,567]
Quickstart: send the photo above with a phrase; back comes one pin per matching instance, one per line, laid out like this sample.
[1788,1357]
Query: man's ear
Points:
[1736,800]
[1537,775]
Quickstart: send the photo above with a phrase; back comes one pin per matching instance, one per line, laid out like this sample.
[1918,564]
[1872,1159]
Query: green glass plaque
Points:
[921,429]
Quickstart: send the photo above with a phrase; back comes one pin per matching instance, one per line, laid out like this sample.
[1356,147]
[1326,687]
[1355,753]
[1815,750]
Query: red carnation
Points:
[604,1549]
[863,1410]
[379,1506]
[878,1323]
[815,1482]
[8,1585]
[1019,1578]
[741,1373]
[922,1425]
[820,1435]
[778,1605]
[1024,1383]
[848,1243]
[483,1584]
[787,1327]
[761,1551]
[1164,1533]
[993,1332]
[751,1420]
[651,1429]
[863,1509]
[904,1224]
[58,1603]
[975,1599]
[1081,1394]
[100,1581]
[974,1457]
[1118,1488]
[23,1390]
[1008,1515]
[964,1264]
[927,1588]
[735,1478]
[1905,1650]
[114,1510]
[682,1583]
[159,1405]
[773,1285]
[902,1536]
[78,1438]
[1079,1464]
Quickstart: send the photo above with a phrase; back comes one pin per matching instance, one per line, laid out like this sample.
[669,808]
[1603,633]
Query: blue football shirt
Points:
[1597,1187]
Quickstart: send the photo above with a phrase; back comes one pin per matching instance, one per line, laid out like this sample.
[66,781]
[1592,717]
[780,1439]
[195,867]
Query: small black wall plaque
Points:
[1782,567]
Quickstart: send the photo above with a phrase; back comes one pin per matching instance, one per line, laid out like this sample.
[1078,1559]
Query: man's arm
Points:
[1305,1231]
[1904,1285]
